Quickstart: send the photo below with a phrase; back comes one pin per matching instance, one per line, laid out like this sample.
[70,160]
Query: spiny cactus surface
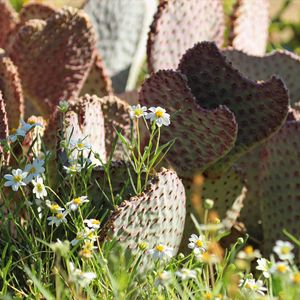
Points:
[35,11]
[178,25]
[156,216]
[10,86]
[3,127]
[259,108]
[202,135]
[250,25]
[54,57]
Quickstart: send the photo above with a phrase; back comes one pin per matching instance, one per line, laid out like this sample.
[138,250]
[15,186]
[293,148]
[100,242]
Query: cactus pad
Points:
[10,86]
[98,82]
[282,63]
[156,216]
[35,11]
[119,26]
[250,26]
[54,57]
[280,185]
[59,3]
[178,25]
[8,21]
[96,120]
[203,135]
[260,108]
[3,128]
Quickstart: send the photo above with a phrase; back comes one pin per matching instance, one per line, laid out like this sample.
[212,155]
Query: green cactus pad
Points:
[282,63]
[228,192]
[119,25]
[202,136]
[260,108]
[178,25]
[54,57]
[35,11]
[250,26]
[98,82]
[3,128]
[8,21]
[97,120]
[10,86]
[156,216]
[280,185]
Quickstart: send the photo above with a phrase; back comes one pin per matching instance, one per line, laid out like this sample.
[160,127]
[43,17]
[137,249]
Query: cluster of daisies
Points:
[154,114]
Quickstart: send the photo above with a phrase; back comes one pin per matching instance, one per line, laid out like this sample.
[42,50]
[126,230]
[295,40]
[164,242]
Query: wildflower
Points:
[248,253]
[63,106]
[54,207]
[163,278]
[39,189]
[160,251]
[213,254]
[59,218]
[279,268]
[80,277]
[209,204]
[249,285]
[186,274]
[143,246]
[34,169]
[73,168]
[87,250]
[80,145]
[15,134]
[158,115]
[15,180]
[264,266]
[62,248]
[86,234]
[92,223]
[295,277]
[136,111]
[197,243]
[29,125]
[75,203]
[284,250]
[79,237]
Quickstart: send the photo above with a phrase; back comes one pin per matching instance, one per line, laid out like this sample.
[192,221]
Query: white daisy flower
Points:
[39,189]
[92,223]
[159,116]
[295,278]
[76,202]
[249,285]
[284,250]
[163,278]
[73,168]
[57,219]
[281,267]
[248,253]
[85,234]
[79,237]
[136,111]
[197,243]
[264,266]
[16,179]
[186,274]
[161,251]
[34,169]
[54,207]
[80,277]
[29,125]
[80,145]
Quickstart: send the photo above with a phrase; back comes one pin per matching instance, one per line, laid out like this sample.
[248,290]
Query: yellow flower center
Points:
[32,170]
[296,278]
[39,187]
[285,250]
[77,201]
[95,222]
[208,296]
[18,178]
[59,216]
[85,252]
[138,112]
[14,130]
[199,243]
[80,145]
[54,207]
[247,285]
[88,245]
[249,250]
[31,122]
[159,113]
[91,235]
[281,268]
[160,248]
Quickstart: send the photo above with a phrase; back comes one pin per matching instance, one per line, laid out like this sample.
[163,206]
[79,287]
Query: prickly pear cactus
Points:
[10,86]
[3,129]
[95,120]
[35,11]
[260,108]
[120,25]
[156,216]
[8,21]
[250,26]
[202,135]
[178,25]
[59,3]
[53,57]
